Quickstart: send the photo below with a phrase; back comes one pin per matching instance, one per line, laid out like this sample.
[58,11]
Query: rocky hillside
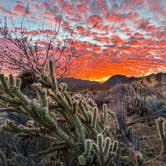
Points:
[152,79]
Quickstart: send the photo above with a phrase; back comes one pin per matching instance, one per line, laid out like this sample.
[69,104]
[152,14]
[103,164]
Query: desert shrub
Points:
[121,94]
[69,122]
[144,90]
[136,99]
[101,99]
[151,108]
[27,78]
[14,150]
[153,104]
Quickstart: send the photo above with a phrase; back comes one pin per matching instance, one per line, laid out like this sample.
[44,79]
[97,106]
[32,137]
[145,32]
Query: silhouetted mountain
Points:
[112,81]
[150,79]
[78,83]
[116,79]
[159,77]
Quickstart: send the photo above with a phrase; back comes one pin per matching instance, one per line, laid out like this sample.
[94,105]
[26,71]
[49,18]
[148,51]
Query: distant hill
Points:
[112,81]
[150,79]
[116,79]
[78,83]
[160,77]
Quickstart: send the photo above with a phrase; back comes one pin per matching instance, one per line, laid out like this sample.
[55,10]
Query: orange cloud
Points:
[113,37]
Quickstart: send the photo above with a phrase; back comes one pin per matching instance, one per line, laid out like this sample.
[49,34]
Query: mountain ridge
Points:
[113,80]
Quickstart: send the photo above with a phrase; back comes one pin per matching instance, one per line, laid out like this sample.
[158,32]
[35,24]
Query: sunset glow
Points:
[125,37]
[101,79]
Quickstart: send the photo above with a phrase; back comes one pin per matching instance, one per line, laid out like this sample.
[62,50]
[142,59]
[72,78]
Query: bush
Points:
[27,78]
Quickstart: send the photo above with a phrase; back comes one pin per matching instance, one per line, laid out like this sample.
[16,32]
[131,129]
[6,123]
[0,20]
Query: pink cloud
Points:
[20,8]
[5,11]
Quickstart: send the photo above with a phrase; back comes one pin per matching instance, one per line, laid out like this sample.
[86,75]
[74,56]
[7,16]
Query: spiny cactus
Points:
[125,132]
[162,133]
[64,119]
[3,160]
[81,118]
[86,157]
[127,136]
[104,150]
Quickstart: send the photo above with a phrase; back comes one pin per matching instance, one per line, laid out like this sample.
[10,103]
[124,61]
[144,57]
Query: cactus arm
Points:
[161,128]
[41,95]
[94,118]
[4,84]
[107,147]
[53,82]
[67,110]
[10,109]
[63,101]
[10,100]
[10,126]
[53,148]
[3,159]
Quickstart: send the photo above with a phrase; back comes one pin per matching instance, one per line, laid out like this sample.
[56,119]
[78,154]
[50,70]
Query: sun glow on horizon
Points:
[101,80]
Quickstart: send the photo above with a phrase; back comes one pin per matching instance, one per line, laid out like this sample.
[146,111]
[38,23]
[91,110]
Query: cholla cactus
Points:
[68,121]
[104,150]
[81,118]
[3,160]
[86,157]
[127,136]
[162,133]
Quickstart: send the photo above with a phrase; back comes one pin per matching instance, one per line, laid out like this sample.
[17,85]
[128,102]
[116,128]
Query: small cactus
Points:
[104,149]
[162,133]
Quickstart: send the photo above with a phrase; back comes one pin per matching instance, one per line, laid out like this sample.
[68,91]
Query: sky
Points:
[125,37]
